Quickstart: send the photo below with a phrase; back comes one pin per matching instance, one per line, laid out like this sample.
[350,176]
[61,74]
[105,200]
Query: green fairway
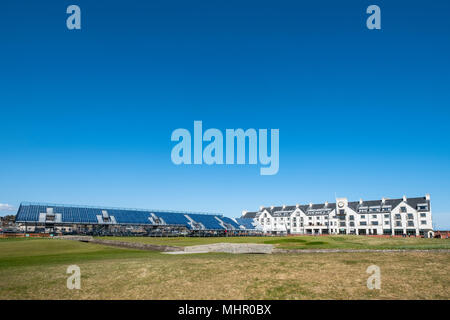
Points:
[304,242]
[36,269]
[37,252]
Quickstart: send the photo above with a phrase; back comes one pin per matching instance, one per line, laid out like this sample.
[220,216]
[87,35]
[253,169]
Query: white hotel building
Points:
[404,216]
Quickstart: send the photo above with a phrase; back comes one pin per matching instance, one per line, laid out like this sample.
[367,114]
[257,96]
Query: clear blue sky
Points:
[86,116]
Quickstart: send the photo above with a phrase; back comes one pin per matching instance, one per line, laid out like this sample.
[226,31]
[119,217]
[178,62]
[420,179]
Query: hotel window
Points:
[374,223]
[402,209]
[363,216]
[410,216]
[386,222]
[352,224]
[363,223]
[423,222]
[398,223]
[374,216]
[423,207]
[386,216]
[397,216]
[352,217]
[341,211]
[342,224]
[410,223]
[423,215]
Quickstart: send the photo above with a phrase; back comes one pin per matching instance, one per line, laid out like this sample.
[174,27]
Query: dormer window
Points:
[422,206]
[105,216]
[50,215]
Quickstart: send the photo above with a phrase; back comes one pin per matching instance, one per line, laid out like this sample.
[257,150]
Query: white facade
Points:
[379,217]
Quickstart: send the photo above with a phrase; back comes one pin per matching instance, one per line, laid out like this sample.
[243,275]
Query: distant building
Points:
[442,234]
[404,216]
[7,221]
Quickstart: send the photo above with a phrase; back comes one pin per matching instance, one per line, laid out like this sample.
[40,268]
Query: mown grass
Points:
[39,252]
[36,269]
[305,242]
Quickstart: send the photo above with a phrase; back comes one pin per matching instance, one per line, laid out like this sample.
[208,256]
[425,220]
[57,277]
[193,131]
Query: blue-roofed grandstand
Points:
[53,215]
[247,223]
[231,222]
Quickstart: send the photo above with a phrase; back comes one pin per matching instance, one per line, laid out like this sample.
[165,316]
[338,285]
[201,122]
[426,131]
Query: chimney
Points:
[404,198]
[271,208]
[261,208]
[310,204]
[326,203]
[427,196]
[383,200]
[360,201]
[297,205]
[284,206]
[244,212]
